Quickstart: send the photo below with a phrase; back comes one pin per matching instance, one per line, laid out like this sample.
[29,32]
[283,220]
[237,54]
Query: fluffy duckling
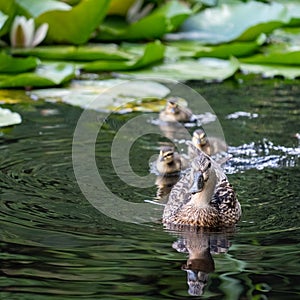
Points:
[210,146]
[169,161]
[173,112]
[202,197]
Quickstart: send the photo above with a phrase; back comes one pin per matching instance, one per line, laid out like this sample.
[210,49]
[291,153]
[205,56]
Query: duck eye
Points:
[200,182]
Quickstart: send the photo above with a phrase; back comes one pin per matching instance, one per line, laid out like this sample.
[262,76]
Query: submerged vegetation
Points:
[146,38]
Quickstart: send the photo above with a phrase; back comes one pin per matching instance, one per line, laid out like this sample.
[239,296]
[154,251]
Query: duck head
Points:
[203,180]
[199,138]
[198,182]
[172,107]
[166,154]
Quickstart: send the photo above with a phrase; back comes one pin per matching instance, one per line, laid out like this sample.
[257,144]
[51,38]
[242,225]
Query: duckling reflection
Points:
[200,245]
[210,146]
[164,186]
[173,112]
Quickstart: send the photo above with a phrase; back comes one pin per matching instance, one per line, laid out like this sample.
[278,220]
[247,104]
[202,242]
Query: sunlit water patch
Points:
[261,155]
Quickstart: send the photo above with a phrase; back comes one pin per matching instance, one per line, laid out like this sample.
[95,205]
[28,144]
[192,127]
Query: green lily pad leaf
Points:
[109,95]
[285,49]
[202,69]
[9,64]
[151,53]
[7,11]
[89,52]
[8,118]
[35,8]
[293,9]
[67,24]
[49,74]
[228,22]
[3,19]
[269,71]
[196,49]
[165,18]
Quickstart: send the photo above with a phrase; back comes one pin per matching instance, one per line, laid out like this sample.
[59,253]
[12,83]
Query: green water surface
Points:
[56,245]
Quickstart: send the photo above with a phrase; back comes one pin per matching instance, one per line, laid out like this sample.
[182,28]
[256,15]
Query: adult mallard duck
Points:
[202,197]
[173,112]
[210,146]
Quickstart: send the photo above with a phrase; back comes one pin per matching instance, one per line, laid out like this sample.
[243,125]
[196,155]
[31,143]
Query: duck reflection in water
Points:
[200,245]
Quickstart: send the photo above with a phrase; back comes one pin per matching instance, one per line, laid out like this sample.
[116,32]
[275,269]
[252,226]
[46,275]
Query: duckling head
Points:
[172,107]
[166,154]
[199,138]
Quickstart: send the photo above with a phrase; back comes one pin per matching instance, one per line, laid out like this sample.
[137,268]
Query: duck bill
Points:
[198,141]
[197,183]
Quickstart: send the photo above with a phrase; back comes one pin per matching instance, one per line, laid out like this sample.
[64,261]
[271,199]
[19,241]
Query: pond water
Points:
[56,245]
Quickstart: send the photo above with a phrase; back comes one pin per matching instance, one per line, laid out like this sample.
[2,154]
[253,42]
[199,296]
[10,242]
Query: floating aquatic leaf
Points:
[165,18]
[109,95]
[67,24]
[120,8]
[3,19]
[35,8]
[8,118]
[285,49]
[201,69]
[7,10]
[271,70]
[228,22]
[151,53]
[197,49]
[9,64]
[82,53]
[49,74]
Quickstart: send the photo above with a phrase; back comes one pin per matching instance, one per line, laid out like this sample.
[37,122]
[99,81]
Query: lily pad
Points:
[67,24]
[82,53]
[151,53]
[270,71]
[9,64]
[210,69]
[49,74]
[3,19]
[8,118]
[229,22]
[109,95]
[34,8]
[165,18]
[285,49]
[197,49]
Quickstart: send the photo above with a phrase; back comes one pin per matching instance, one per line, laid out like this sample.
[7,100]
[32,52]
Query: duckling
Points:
[202,197]
[169,161]
[173,112]
[210,146]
